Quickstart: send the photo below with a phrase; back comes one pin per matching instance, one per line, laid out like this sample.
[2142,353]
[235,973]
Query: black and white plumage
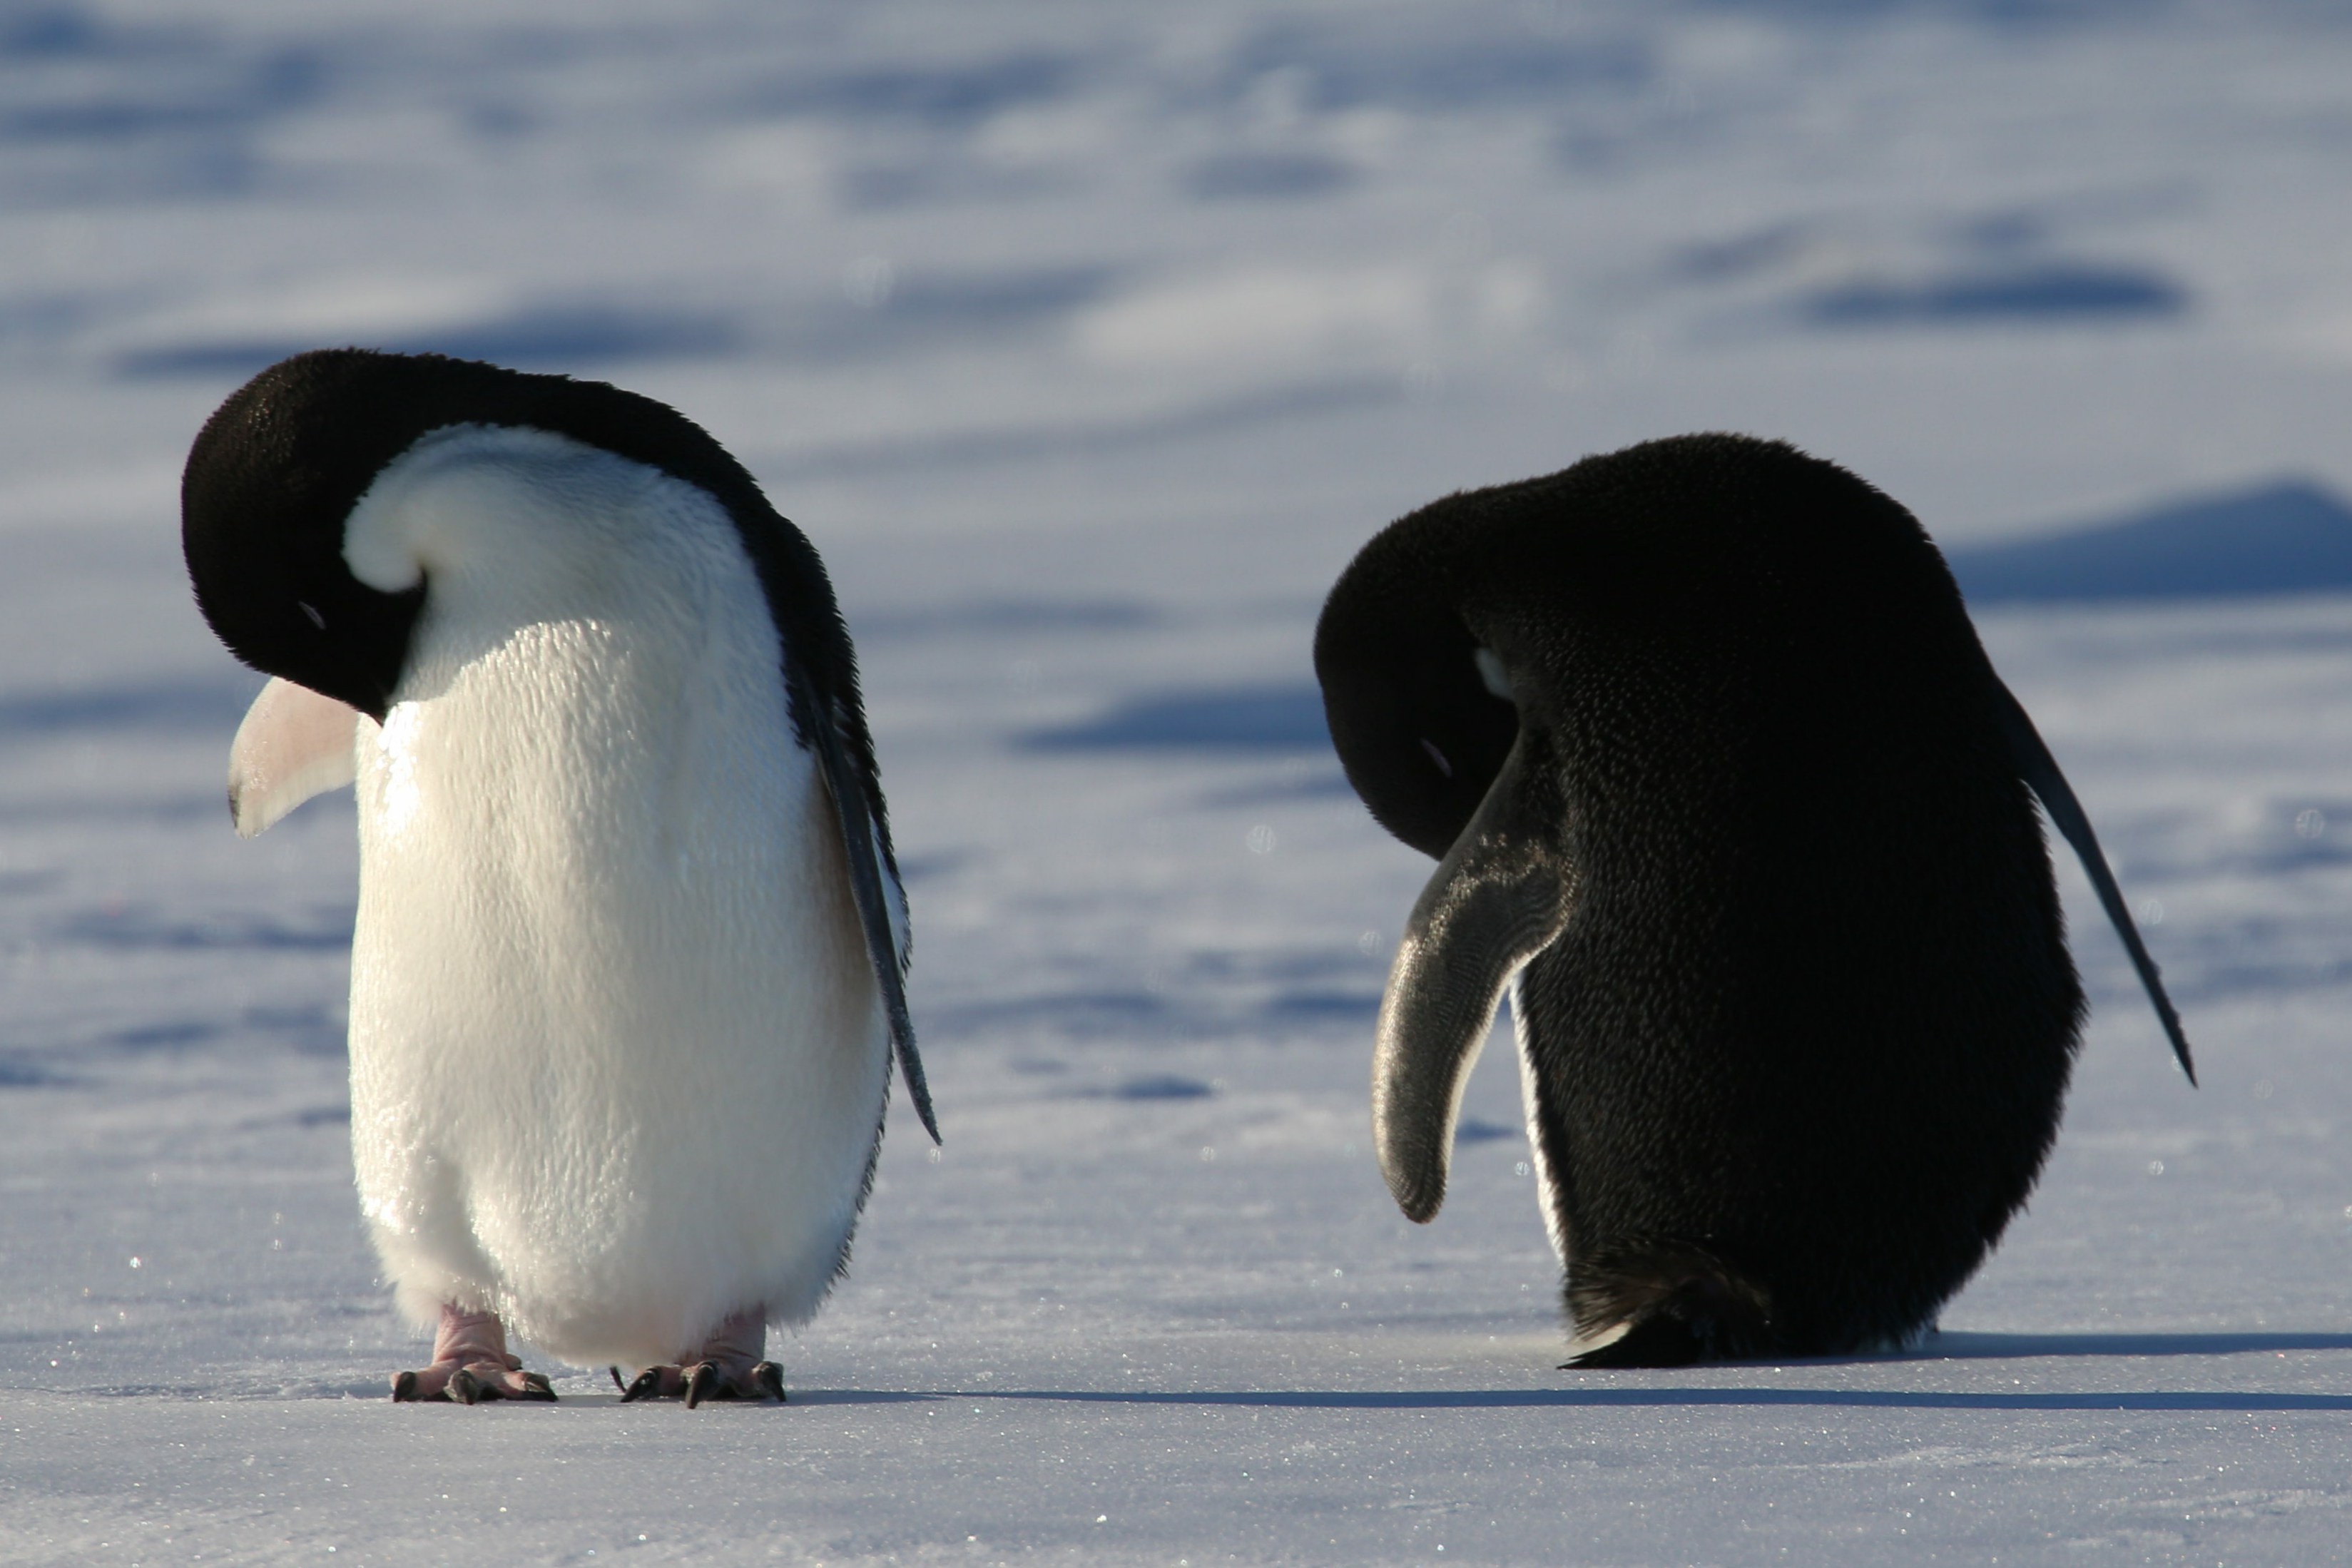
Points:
[1726,792]
[628,968]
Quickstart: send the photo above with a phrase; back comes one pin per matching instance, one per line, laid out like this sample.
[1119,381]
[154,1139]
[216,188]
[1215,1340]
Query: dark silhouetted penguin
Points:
[1723,788]
[628,970]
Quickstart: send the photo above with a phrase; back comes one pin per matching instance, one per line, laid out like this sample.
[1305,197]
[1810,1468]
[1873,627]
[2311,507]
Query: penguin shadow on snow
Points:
[1656,1398]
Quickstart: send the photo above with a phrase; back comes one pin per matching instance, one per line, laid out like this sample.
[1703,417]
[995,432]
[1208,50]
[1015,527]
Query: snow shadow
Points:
[2289,537]
[882,315]
[1202,995]
[552,338]
[168,707]
[2038,292]
[1247,412]
[100,110]
[1154,1086]
[1268,177]
[944,97]
[149,929]
[17,1073]
[1241,719]
[1965,1345]
[998,617]
[1358,64]
[1141,1016]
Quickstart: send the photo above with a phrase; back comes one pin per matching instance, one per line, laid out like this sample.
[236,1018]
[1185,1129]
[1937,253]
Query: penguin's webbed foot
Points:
[729,1365]
[470,1364]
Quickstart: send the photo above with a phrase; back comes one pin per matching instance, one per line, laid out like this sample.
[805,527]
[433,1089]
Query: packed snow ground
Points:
[1087,342]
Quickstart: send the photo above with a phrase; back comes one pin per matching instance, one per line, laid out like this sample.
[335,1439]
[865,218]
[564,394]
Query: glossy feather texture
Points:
[1796,1052]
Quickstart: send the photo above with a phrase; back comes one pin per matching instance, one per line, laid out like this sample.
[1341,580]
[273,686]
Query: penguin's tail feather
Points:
[1677,1304]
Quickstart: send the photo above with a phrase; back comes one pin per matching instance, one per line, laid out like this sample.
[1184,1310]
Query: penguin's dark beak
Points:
[1503,893]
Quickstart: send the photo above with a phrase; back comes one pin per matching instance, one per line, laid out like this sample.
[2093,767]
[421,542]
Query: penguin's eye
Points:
[1437,756]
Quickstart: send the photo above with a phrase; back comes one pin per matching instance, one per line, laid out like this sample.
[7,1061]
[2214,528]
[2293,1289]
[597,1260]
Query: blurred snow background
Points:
[1089,343]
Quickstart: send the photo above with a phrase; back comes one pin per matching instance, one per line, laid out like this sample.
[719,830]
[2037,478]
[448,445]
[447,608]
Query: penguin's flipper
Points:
[1503,894]
[2040,771]
[293,744]
[881,904]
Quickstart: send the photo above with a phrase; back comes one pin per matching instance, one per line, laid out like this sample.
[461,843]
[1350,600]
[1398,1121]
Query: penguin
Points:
[628,965]
[1726,793]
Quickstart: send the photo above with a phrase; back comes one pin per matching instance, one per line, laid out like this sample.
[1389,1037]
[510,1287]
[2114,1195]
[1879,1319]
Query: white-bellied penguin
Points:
[1725,791]
[629,964]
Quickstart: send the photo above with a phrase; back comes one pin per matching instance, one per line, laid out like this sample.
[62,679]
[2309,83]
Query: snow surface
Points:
[1087,342]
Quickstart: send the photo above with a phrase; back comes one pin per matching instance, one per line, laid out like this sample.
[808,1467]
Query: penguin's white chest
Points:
[617,1057]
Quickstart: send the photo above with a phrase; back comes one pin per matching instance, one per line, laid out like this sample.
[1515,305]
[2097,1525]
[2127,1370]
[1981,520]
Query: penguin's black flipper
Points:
[872,883]
[2040,771]
[1503,894]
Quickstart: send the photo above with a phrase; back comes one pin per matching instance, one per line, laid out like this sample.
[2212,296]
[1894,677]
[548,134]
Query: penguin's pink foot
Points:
[470,1364]
[730,1364]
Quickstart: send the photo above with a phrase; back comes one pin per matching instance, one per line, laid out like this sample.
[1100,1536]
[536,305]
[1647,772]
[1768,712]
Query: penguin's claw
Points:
[470,1364]
[706,1380]
[654,1383]
[729,1365]
[469,1384]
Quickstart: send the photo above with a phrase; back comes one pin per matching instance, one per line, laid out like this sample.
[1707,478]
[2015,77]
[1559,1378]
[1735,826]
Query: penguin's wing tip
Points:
[2042,775]
[911,1068]
[2179,1038]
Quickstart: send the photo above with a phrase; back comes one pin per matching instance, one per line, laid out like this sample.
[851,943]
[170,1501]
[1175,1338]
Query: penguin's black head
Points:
[268,484]
[1417,722]
[277,470]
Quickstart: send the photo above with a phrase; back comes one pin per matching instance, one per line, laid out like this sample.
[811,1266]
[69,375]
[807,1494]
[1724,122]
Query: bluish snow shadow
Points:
[311,1031]
[1268,176]
[921,313]
[1354,65]
[946,97]
[1139,1015]
[1249,411]
[1977,1345]
[1159,1086]
[175,707]
[2041,292]
[1206,995]
[139,928]
[2289,537]
[1251,719]
[553,337]
[997,617]
[98,109]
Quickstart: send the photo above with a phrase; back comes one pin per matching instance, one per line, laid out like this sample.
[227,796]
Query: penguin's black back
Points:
[1800,1049]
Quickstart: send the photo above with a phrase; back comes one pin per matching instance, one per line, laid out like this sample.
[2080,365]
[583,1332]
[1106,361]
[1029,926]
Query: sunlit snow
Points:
[1087,342]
